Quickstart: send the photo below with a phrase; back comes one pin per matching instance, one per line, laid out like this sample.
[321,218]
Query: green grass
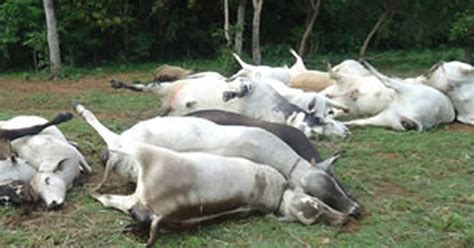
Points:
[416,189]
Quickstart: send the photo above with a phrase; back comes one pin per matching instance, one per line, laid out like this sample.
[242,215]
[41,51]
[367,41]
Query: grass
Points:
[415,188]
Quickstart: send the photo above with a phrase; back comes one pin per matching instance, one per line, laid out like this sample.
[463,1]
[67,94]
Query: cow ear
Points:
[327,164]
[61,165]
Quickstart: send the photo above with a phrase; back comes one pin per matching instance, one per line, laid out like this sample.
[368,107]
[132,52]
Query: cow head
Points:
[308,210]
[50,186]
[315,125]
[240,90]
[17,192]
[319,181]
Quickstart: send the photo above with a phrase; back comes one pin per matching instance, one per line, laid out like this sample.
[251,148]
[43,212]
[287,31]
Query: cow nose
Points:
[355,212]
[55,205]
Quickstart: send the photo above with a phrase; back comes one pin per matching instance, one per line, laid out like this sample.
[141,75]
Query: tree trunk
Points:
[257,9]
[226,23]
[53,40]
[374,30]
[240,26]
[309,27]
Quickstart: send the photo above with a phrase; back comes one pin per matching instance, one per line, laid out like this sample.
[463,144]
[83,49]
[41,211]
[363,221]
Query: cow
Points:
[15,172]
[311,102]
[456,80]
[56,161]
[363,95]
[413,107]
[180,189]
[251,99]
[186,134]
[213,92]
[290,135]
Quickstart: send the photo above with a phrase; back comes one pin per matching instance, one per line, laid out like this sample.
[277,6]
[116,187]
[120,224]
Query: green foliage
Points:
[97,32]
[462,29]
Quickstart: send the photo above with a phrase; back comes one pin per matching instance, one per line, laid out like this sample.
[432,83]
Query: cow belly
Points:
[194,214]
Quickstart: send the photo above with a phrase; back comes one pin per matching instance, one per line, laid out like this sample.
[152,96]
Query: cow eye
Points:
[46,180]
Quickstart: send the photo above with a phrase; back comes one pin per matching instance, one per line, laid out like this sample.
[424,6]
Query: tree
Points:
[226,23]
[309,26]
[382,18]
[462,33]
[240,26]
[257,10]
[53,40]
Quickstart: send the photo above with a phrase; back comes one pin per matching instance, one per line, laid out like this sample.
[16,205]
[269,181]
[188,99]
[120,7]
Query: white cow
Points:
[311,102]
[363,95]
[56,161]
[186,134]
[413,107]
[456,80]
[176,189]
[264,103]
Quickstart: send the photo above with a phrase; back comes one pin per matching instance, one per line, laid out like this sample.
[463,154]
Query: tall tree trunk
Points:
[240,26]
[53,40]
[226,23]
[309,27]
[374,30]
[257,9]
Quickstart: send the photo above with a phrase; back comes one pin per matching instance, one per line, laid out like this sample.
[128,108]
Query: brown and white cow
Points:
[176,189]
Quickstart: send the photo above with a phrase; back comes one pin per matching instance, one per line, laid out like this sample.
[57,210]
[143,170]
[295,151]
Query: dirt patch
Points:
[386,187]
[352,226]
[64,87]
[459,127]
[388,155]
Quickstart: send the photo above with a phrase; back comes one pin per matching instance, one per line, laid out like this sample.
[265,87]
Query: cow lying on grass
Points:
[412,107]
[456,80]
[263,102]
[191,134]
[52,162]
[175,189]
[253,98]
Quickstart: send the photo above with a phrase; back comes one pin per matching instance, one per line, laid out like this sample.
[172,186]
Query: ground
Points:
[416,189]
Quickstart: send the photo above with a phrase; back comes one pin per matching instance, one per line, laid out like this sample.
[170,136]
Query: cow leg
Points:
[121,202]
[383,119]
[108,169]
[108,136]
[155,220]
